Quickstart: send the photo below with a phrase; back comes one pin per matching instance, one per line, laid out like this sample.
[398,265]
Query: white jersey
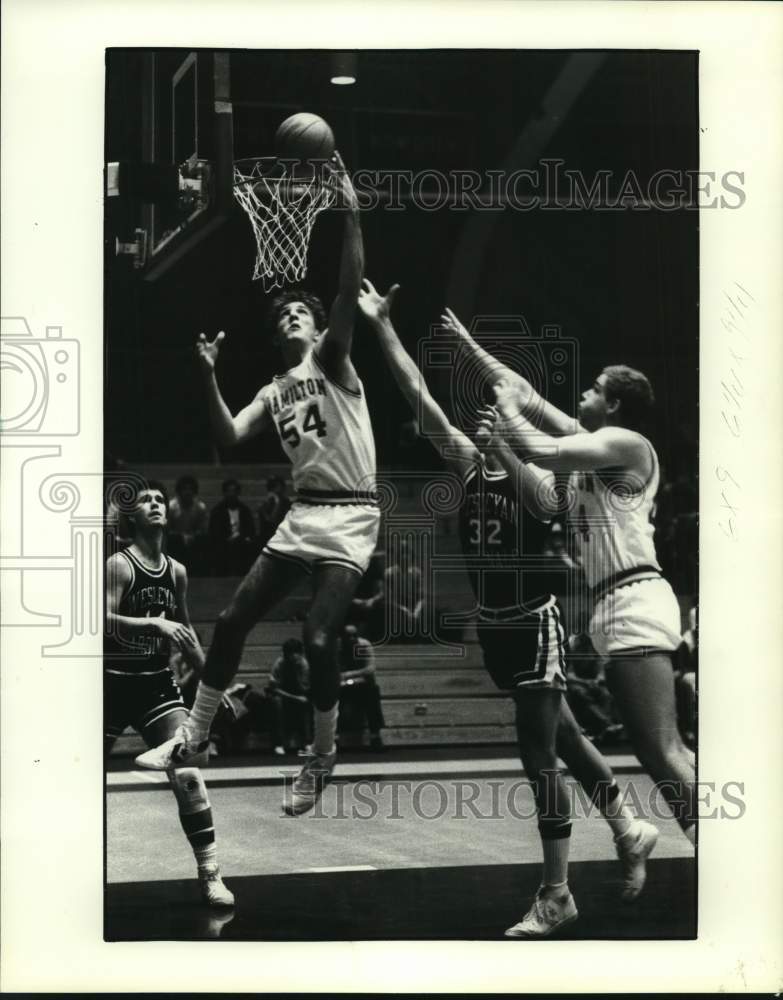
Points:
[611,523]
[324,429]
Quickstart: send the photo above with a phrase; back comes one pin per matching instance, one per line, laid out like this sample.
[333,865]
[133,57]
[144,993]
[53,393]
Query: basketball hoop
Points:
[282,207]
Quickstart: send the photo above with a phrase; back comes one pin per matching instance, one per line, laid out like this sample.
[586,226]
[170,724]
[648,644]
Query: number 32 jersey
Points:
[324,429]
[502,544]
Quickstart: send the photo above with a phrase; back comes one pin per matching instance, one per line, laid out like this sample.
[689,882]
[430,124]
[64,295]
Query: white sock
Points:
[206,856]
[556,864]
[619,817]
[324,728]
[690,833]
[203,711]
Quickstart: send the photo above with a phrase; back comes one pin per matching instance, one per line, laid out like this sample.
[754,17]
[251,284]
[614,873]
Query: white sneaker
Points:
[180,751]
[213,888]
[633,849]
[309,783]
[545,916]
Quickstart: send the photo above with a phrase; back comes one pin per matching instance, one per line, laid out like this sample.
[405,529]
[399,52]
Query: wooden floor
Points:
[462,903]
[407,869]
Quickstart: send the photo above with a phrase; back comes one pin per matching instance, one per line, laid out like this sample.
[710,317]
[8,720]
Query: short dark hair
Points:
[153,484]
[279,302]
[185,481]
[146,487]
[231,482]
[291,646]
[634,392]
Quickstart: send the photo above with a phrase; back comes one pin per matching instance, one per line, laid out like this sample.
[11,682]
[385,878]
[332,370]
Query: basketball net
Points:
[282,210]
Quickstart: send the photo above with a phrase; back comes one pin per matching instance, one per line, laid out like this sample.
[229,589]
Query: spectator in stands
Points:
[288,688]
[404,595]
[359,691]
[366,611]
[232,533]
[686,663]
[226,716]
[273,509]
[677,524]
[587,693]
[188,523]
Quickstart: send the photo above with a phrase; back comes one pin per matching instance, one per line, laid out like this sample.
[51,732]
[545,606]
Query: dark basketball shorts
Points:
[138,700]
[524,651]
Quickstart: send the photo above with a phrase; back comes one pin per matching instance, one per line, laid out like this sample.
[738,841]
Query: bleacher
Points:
[432,694]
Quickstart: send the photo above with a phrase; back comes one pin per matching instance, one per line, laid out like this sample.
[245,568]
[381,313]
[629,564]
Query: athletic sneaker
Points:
[633,849]
[213,888]
[309,783]
[545,916]
[180,751]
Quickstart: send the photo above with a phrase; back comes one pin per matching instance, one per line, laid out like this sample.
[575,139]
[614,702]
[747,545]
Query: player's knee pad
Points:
[189,789]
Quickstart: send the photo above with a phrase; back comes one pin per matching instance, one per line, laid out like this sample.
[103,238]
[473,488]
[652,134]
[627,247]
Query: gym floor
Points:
[426,846]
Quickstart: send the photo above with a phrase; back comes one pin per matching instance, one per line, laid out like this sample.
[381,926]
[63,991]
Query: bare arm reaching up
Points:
[227,430]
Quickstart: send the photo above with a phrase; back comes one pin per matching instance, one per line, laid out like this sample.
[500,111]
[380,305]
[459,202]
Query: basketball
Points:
[304,137]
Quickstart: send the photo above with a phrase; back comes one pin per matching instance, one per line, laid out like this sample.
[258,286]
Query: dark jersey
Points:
[502,543]
[151,594]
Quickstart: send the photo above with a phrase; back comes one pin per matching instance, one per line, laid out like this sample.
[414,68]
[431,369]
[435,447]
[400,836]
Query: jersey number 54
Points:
[312,423]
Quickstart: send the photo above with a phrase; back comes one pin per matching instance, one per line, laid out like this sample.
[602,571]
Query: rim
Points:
[247,165]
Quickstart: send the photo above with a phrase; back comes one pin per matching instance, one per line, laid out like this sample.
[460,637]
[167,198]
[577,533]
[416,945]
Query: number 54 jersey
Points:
[324,429]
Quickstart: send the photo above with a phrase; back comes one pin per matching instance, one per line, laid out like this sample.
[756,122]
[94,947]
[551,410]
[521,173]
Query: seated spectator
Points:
[226,716]
[404,597]
[273,509]
[359,692]
[588,696]
[187,534]
[686,662]
[288,688]
[366,611]
[232,533]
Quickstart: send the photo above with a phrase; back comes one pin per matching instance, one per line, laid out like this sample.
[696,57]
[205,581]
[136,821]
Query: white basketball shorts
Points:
[327,534]
[644,615]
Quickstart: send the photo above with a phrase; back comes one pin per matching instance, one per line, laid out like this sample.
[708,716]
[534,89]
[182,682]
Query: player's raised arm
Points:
[227,429]
[546,416]
[535,486]
[610,447]
[457,447]
[334,347]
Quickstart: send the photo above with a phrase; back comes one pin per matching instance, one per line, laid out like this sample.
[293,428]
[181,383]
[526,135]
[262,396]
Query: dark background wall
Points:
[623,284]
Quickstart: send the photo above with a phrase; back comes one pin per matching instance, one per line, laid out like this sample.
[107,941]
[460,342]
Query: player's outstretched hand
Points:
[506,397]
[449,320]
[347,192]
[181,635]
[485,431]
[376,307]
[208,350]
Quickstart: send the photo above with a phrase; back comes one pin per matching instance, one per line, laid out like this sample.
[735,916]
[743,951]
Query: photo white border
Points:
[52,233]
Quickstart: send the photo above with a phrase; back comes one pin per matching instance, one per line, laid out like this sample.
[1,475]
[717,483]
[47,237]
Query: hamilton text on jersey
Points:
[296,391]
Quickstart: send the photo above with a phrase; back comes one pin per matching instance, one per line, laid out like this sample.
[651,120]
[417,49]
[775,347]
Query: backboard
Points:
[181,181]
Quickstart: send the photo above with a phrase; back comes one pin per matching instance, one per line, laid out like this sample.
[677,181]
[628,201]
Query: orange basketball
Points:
[304,137]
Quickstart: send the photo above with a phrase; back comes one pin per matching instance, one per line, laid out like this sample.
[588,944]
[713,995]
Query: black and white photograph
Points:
[390,546]
[401,429]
